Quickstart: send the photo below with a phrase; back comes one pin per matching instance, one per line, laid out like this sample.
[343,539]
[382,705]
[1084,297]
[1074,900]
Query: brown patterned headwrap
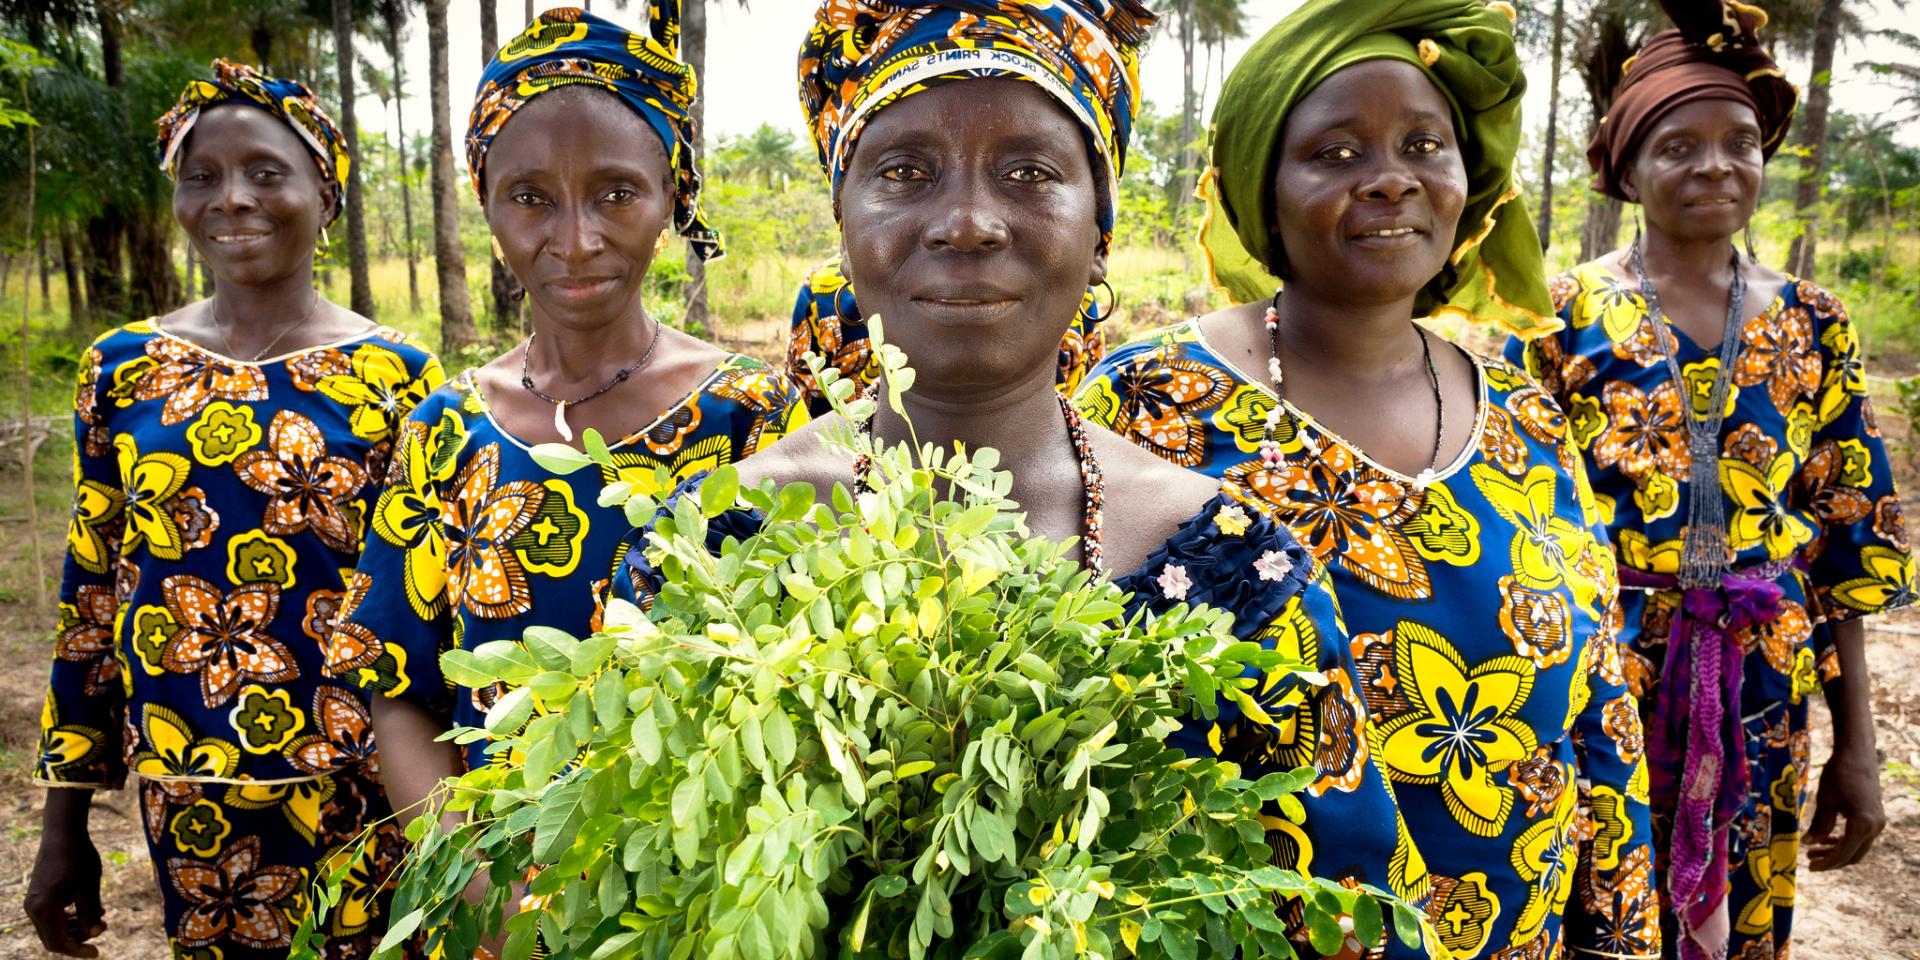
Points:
[1713,53]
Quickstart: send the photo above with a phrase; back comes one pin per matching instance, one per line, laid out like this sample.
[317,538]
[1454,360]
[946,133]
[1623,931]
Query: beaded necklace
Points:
[1093,482]
[1270,448]
[560,406]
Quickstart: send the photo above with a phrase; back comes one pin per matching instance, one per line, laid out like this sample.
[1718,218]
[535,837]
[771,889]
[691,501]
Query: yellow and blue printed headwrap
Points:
[862,55]
[290,100]
[566,46]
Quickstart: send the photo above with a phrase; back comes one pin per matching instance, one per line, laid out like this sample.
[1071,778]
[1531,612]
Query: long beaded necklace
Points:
[1092,481]
[1270,448]
[226,331]
[1703,552]
[560,406]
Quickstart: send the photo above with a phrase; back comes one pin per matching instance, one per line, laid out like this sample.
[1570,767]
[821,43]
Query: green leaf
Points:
[913,769]
[400,930]
[610,699]
[778,731]
[718,491]
[557,823]
[559,458]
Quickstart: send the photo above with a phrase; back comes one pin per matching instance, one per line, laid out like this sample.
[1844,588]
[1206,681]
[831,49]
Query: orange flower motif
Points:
[1644,432]
[482,518]
[1538,414]
[188,378]
[225,639]
[1777,349]
[234,896]
[1159,399]
[307,489]
[1502,444]
[344,736]
[1822,486]
[86,636]
[1346,512]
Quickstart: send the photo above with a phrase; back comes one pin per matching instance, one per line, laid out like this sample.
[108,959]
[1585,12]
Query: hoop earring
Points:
[1113,301]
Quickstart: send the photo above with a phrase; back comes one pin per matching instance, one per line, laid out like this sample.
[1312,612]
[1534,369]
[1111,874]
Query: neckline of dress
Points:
[1622,284]
[1460,460]
[373,332]
[486,407]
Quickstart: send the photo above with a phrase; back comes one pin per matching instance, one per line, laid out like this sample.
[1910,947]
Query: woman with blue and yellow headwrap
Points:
[225,457]
[581,151]
[1362,178]
[972,149]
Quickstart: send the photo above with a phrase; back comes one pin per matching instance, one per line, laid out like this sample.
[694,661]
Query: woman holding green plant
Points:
[1362,178]
[1723,412]
[580,148]
[224,458]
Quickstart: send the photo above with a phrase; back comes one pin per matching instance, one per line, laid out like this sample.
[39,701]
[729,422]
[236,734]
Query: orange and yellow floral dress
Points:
[1809,498]
[1482,614]
[474,541]
[218,505]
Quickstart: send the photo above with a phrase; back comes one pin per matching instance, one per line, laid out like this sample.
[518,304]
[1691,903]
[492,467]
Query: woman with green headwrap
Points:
[1362,156]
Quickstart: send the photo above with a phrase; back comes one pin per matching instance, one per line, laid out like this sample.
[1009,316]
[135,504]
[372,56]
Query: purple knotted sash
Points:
[1696,753]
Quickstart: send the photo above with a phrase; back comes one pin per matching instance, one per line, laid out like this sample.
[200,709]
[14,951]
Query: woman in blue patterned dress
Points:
[580,148]
[226,456]
[976,203]
[1363,153]
[1722,410]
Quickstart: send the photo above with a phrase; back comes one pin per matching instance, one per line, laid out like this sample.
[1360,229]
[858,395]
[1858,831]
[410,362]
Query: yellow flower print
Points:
[151,481]
[1700,376]
[1785,791]
[1774,877]
[200,829]
[1443,531]
[640,470]
[1462,911]
[379,391]
[95,506]
[174,752]
[266,720]
[1244,418]
[1547,546]
[1806,681]
[154,627]
[1636,552]
[64,748]
[222,433]
[1461,728]
[1856,464]
[551,543]
[303,803]
[1407,874]
[1613,306]
[1658,497]
[1758,515]
[1640,782]
[408,516]
[1292,848]
[443,445]
[1232,520]
[1606,507]
[1545,856]
[1888,582]
[1537,622]
[1800,430]
[259,557]
[1612,828]
[1586,419]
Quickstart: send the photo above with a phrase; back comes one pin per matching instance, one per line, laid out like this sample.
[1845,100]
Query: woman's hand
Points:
[63,893]
[1849,790]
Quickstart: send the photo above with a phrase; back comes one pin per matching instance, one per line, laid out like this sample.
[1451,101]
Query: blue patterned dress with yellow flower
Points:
[218,507]
[1482,615]
[1808,488]
[474,541]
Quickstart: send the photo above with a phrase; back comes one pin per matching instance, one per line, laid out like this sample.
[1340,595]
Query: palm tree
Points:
[456,309]
[1614,29]
[356,199]
[1553,124]
[1813,136]
[693,49]
[393,14]
[768,154]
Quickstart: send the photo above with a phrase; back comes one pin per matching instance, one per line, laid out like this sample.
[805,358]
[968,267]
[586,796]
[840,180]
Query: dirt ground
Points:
[1869,911]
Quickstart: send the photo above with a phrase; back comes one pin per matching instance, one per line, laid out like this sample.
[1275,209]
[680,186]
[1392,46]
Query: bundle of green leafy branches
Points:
[896,725]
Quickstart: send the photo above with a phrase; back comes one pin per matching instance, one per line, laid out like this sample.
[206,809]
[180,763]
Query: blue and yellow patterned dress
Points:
[1806,479]
[218,507]
[1234,556]
[1482,614]
[474,541]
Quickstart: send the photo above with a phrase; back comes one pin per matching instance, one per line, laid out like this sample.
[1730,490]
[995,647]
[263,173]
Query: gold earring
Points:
[660,243]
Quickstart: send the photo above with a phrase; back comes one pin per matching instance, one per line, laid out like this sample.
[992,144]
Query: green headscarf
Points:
[1466,48]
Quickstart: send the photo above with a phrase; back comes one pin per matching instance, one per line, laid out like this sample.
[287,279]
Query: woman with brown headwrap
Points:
[1723,414]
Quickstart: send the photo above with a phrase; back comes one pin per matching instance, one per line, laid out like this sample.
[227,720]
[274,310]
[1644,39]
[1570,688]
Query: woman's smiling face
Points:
[970,224]
[249,195]
[1369,184]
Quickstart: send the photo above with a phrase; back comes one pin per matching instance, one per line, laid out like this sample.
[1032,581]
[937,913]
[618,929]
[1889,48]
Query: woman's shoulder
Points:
[1143,346]
[1818,300]
[1233,555]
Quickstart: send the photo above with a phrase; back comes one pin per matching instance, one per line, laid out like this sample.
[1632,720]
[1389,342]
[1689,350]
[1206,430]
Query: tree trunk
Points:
[112,63]
[191,272]
[456,309]
[1189,116]
[1553,127]
[106,288]
[693,47]
[504,286]
[78,324]
[395,13]
[46,275]
[26,371]
[154,288]
[356,198]
[1813,139]
[1602,230]
[1608,45]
